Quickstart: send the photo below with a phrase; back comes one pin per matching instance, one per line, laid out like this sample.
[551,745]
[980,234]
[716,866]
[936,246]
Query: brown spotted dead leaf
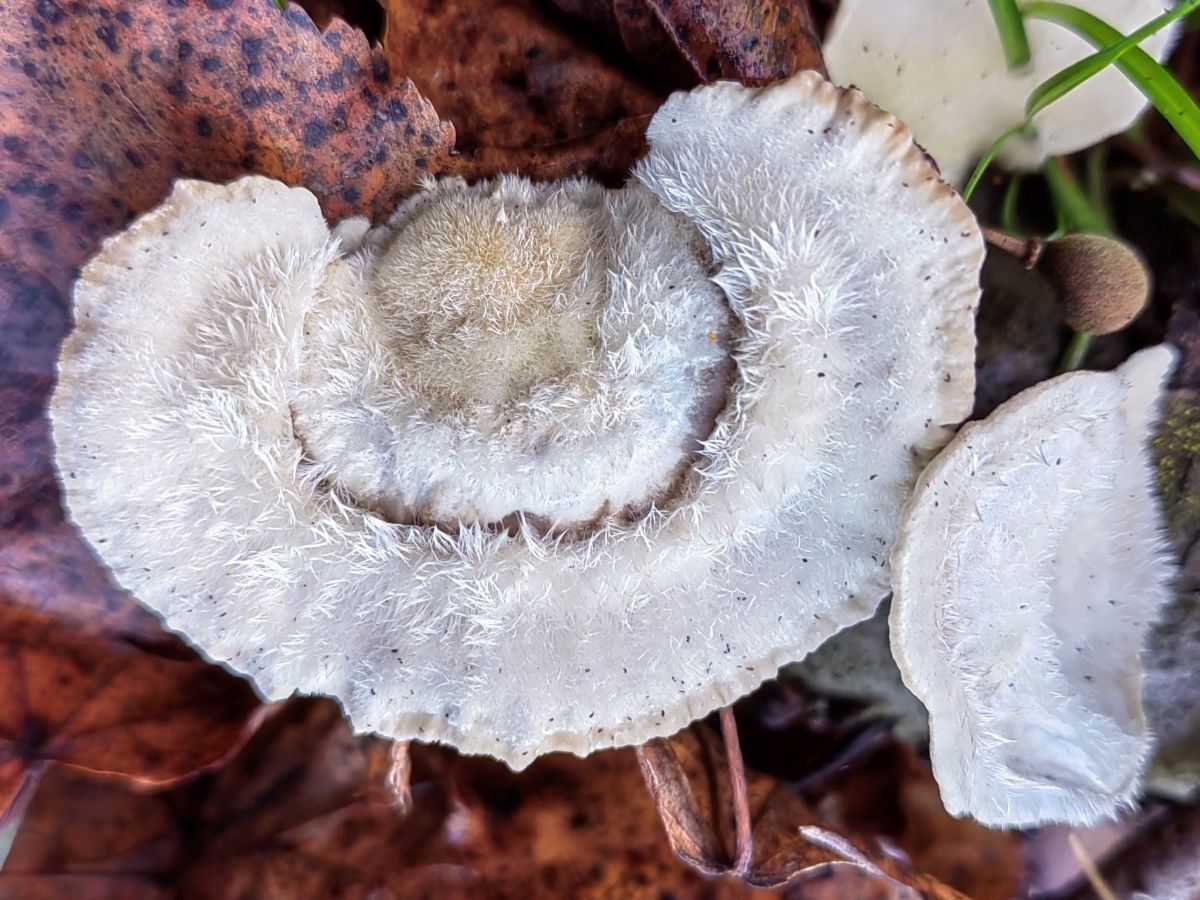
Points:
[692,41]
[689,779]
[104,103]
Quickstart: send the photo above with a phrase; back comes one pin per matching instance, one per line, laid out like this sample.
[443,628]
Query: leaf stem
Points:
[743,838]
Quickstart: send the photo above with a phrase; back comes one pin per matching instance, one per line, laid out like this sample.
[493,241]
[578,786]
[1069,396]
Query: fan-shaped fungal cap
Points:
[940,67]
[531,468]
[1029,567]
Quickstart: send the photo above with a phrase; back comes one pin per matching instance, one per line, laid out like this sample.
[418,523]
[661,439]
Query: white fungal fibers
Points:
[554,352]
[1030,566]
[531,468]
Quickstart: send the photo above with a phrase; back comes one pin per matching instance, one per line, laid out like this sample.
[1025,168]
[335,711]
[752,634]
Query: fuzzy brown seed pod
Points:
[1102,283]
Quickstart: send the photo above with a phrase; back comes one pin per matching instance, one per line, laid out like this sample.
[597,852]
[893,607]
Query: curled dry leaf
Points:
[524,92]
[103,104]
[110,706]
[689,779]
[688,41]
[299,812]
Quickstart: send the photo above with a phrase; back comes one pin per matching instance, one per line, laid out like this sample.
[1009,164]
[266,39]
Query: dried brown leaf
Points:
[687,820]
[688,777]
[104,103]
[525,93]
[101,703]
[300,811]
[690,41]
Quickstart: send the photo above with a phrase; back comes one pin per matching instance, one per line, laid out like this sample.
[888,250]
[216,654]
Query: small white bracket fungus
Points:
[1029,568]
[940,67]
[532,467]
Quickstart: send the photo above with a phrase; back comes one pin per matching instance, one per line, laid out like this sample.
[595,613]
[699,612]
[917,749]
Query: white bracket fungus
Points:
[940,67]
[532,467]
[1029,568]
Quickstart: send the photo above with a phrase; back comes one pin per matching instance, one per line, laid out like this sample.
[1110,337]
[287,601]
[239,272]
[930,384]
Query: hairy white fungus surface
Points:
[1029,568]
[532,467]
[940,67]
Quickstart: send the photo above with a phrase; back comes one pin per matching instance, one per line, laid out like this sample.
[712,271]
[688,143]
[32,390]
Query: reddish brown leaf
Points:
[689,41]
[891,792]
[103,103]
[299,812]
[689,779]
[74,697]
[687,819]
[43,563]
[525,93]
[104,831]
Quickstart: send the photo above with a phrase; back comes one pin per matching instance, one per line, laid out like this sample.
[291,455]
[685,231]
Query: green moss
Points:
[1176,448]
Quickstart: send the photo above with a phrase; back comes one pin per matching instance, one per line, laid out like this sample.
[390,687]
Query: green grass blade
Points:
[1083,24]
[1011,27]
[1152,79]
[988,155]
[1072,201]
[1009,221]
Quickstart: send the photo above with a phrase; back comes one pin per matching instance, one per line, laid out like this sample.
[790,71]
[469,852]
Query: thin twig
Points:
[1027,250]
[1089,869]
[858,748]
[743,839]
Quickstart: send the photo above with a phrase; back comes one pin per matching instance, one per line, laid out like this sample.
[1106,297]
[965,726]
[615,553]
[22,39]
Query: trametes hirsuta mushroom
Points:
[940,67]
[532,467]
[1030,565]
